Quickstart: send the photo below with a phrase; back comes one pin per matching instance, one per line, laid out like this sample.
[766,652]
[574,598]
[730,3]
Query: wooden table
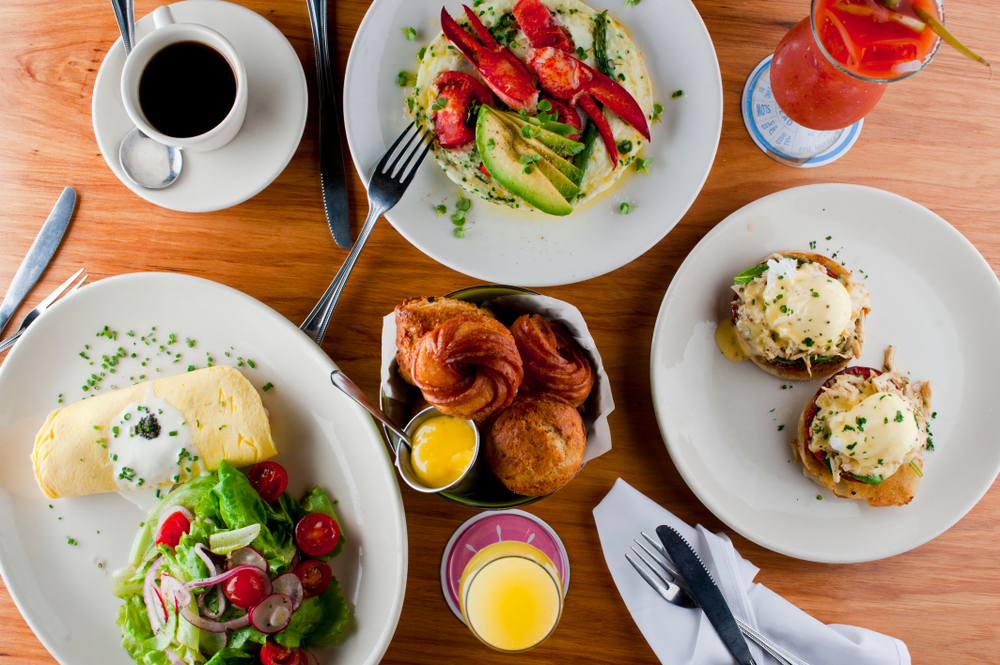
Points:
[933,138]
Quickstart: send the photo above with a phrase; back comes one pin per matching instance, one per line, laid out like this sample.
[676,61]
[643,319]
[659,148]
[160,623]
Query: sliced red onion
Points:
[153,601]
[211,643]
[214,626]
[272,613]
[175,590]
[203,603]
[290,585]
[202,553]
[309,657]
[167,513]
[209,581]
[247,556]
[173,657]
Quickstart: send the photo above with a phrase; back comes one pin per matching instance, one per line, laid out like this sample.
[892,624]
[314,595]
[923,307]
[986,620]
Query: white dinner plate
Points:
[530,248]
[323,438]
[727,425]
[276,113]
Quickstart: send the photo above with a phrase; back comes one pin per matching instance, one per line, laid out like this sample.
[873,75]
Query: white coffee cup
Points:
[168,32]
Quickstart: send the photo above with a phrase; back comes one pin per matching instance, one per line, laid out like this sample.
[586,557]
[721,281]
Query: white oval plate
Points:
[322,438]
[933,297]
[506,246]
[276,114]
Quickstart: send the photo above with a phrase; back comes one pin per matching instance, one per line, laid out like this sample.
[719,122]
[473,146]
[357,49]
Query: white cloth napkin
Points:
[679,635]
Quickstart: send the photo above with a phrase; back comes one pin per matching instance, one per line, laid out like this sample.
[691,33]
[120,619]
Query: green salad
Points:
[228,569]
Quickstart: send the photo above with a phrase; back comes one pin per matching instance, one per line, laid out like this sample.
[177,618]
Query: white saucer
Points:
[270,135]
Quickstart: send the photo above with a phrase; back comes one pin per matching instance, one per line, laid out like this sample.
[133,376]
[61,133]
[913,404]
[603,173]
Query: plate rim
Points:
[704,494]
[350,73]
[310,349]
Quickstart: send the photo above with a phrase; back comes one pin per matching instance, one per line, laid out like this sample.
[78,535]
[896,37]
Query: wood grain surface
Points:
[934,139]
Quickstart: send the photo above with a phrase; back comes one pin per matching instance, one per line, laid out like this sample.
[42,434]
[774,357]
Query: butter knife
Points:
[701,585]
[38,257]
[333,177]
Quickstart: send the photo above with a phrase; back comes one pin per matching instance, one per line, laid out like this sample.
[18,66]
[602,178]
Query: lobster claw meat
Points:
[502,71]
[567,79]
[460,92]
[567,115]
[537,22]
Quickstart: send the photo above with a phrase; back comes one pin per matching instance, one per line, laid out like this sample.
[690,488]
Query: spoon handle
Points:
[125,15]
[340,380]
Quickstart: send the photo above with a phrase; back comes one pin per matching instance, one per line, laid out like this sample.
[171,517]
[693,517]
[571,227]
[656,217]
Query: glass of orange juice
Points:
[511,596]
[505,574]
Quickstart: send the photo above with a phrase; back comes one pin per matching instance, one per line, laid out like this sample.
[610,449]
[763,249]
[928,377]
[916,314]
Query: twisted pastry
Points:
[553,361]
[418,316]
[468,367]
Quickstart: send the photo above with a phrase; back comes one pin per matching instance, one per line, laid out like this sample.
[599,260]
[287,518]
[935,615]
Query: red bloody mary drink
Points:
[831,69]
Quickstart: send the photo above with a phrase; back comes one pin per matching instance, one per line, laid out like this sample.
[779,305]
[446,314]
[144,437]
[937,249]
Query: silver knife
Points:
[39,255]
[699,581]
[333,177]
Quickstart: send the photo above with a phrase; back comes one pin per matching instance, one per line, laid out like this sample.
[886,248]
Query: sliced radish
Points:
[173,657]
[309,657]
[272,613]
[247,556]
[209,581]
[290,585]
[211,643]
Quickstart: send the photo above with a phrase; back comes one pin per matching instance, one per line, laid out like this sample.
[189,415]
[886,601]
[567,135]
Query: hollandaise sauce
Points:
[727,341]
[511,596]
[443,448]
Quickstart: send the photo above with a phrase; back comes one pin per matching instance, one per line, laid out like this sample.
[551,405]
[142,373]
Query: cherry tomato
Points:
[315,576]
[273,653]
[269,479]
[245,588]
[317,534]
[172,529]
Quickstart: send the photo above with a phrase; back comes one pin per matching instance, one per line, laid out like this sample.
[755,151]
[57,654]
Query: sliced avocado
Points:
[562,146]
[501,147]
[566,187]
[565,167]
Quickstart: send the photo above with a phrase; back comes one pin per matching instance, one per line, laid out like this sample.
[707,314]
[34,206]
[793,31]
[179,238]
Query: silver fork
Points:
[386,187]
[665,584]
[42,306]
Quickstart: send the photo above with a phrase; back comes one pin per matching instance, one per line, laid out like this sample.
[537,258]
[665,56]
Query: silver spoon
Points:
[146,162]
[404,450]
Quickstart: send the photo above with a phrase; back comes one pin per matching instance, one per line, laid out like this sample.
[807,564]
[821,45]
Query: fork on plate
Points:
[661,574]
[41,307]
[386,187]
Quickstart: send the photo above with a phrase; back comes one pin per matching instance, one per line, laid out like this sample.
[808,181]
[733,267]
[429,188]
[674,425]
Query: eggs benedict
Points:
[799,315]
[864,432]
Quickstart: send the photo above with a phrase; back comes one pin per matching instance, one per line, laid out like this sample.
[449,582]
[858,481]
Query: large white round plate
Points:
[276,114]
[508,246]
[323,439]
[933,297]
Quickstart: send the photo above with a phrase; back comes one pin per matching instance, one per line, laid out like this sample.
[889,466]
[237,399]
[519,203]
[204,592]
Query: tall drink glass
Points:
[804,106]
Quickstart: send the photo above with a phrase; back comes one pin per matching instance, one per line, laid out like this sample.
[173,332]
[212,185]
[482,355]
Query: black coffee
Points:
[187,89]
